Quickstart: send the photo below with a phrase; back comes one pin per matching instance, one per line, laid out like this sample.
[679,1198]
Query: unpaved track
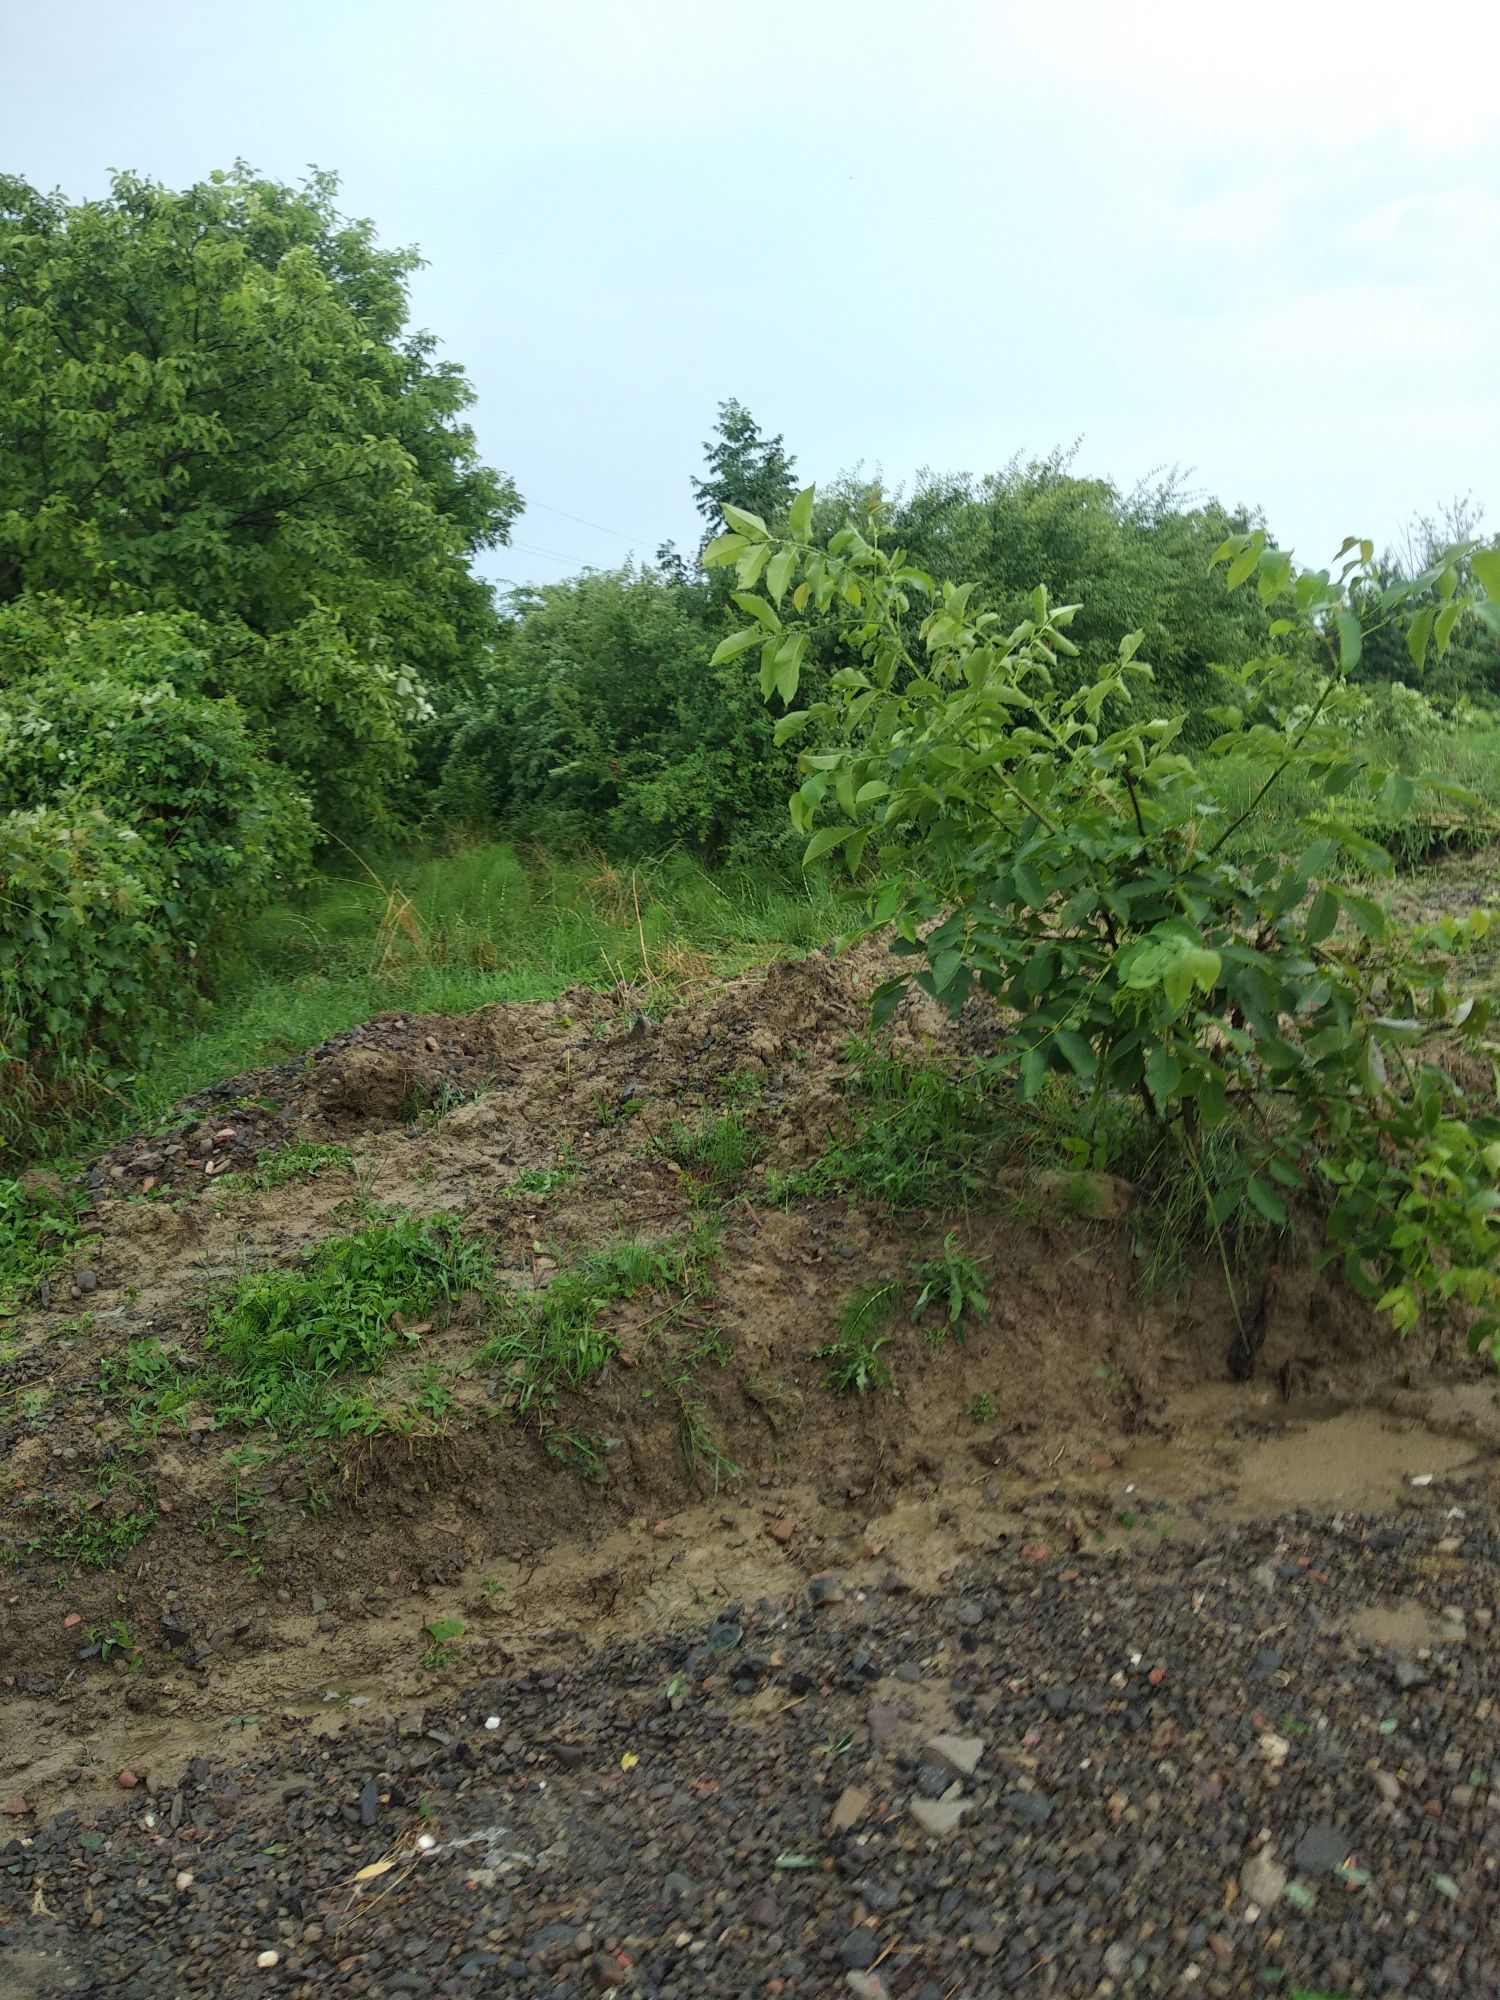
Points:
[662,1815]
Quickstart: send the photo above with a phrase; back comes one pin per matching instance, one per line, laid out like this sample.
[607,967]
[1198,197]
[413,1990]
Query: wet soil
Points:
[276,1601]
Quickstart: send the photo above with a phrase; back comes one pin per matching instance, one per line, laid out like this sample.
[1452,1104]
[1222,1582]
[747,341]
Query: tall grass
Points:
[489,923]
[1468,758]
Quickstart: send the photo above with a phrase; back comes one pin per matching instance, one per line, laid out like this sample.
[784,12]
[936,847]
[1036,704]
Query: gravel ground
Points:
[1177,1768]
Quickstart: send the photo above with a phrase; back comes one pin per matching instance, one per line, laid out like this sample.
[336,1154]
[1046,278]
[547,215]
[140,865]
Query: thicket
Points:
[238,508]
[1045,840]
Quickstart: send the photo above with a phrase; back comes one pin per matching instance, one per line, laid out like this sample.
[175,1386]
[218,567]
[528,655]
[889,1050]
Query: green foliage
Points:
[1057,852]
[211,401]
[139,818]
[745,470]
[716,1152]
[853,1354]
[280,1339]
[545,1180]
[598,722]
[923,1137]
[237,511]
[1137,562]
[953,1281]
[299,1162]
[556,1338]
[38,1227]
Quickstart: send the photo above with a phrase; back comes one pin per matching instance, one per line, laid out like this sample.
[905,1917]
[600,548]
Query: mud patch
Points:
[244,1581]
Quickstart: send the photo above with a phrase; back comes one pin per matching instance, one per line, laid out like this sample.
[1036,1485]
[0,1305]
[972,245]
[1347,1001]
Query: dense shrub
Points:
[137,820]
[603,722]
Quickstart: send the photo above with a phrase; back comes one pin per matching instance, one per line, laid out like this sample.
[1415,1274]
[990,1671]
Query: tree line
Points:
[242,617]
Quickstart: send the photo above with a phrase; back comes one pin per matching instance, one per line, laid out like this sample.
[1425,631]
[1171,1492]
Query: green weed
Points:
[980,1409]
[863,1330]
[95,1533]
[38,1228]
[113,1639]
[929,1138]
[706,1465]
[577,1448]
[299,1162]
[545,1180]
[280,1338]
[954,1281]
[555,1337]
[717,1153]
[443,1632]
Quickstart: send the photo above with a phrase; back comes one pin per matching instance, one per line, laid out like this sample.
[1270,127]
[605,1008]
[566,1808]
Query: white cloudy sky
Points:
[1259,243]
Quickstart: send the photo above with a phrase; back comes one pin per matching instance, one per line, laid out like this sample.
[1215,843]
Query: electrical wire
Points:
[598,526]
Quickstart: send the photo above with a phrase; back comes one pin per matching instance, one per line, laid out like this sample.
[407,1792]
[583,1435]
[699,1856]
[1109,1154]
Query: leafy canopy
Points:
[209,401]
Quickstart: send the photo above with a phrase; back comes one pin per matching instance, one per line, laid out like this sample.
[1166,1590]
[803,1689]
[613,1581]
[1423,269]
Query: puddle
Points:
[1361,1459]
[1259,1455]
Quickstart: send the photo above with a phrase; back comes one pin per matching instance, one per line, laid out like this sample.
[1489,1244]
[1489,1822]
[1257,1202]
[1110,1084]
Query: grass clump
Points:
[279,1339]
[864,1328]
[924,1137]
[556,1337]
[299,1162]
[37,1230]
[717,1153]
[545,1180]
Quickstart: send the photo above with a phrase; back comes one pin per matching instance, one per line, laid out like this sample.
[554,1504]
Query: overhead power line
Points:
[598,526]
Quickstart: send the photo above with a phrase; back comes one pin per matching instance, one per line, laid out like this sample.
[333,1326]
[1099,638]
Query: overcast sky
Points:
[1257,243]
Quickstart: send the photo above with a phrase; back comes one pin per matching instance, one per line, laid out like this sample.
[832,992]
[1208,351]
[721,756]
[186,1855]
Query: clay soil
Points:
[269,1580]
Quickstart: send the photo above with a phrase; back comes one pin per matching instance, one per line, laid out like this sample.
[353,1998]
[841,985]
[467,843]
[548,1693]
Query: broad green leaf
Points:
[722,549]
[1266,1199]
[1442,630]
[1321,917]
[747,524]
[1486,566]
[1033,1069]
[1351,639]
[1245,562]
[1275,573]
[799,515]
[779,572]
[757,608]
[1076,1051]
[737,643]
[823,842]
[945,969]
[1163,1074]
[1418,636]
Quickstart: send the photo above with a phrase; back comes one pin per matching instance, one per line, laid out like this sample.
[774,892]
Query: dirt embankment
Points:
[163,1576]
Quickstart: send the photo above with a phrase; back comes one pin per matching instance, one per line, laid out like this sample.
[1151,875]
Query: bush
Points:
[139,821]
[1055,851]
[602,722]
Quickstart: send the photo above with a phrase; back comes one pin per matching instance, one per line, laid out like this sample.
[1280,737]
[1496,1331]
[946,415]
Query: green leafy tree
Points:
[744,469]
[210,401]
[601,722]
[1053,848]
[1469,665]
